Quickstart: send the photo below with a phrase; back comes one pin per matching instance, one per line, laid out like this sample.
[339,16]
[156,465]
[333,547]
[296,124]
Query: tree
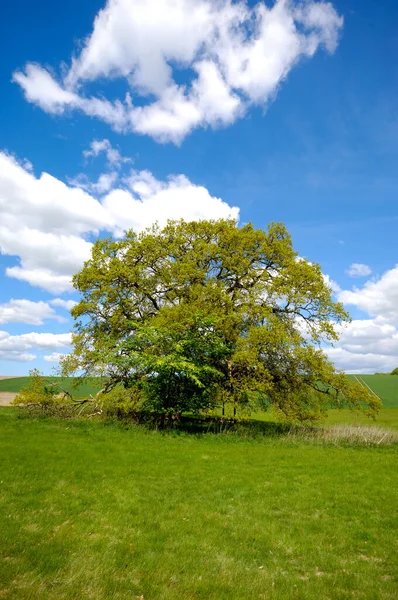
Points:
[394,372]
[204,314]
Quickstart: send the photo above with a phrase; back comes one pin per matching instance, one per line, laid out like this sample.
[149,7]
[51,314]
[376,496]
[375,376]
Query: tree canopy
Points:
[209,315]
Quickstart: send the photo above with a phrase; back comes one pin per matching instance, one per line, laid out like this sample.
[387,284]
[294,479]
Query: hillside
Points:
[385,386]
[14,385]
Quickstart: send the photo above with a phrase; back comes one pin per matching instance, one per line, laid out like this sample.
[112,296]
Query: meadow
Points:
[101,509]
[71,384]
[94,510]
[385,386]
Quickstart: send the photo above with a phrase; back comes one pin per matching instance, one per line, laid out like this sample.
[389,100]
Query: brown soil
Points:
[6,397]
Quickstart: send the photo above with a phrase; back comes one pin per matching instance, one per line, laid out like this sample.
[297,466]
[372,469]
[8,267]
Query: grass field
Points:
[385,386]
[66,383]
[100,511]
[387,417]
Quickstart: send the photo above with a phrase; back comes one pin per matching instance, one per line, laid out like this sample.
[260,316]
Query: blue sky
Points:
[285,111]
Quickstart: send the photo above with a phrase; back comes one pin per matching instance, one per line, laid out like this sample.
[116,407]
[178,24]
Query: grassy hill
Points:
[385,386]
[66,383]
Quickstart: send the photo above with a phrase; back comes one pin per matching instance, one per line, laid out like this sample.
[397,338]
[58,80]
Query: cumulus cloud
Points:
[42,89]
[369,336]
[28,341]
[26,311]
[361,363]
[334,286]
[359,270]
[147,199]
[67,304]
[48,224]
[370,344]
[17,347]
[54,357]
[113,156]
[237,55]
[378,297]
[15,356]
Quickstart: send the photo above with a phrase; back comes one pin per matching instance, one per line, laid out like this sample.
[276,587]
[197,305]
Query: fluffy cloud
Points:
[67,304]
[370,336]
[237,55]
[26,311]
[54,357]
[148,199]
[15,356]
[42,222]
[113,156]
[48,224]
[361,363]
[29,341]
[334,286]
[17,347]
[370,344]
[359,270]
[378,297]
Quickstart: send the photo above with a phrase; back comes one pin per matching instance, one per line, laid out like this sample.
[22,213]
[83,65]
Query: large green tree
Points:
[204,314]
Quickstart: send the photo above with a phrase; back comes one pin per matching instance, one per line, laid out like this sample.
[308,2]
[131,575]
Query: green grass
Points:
[387,417]
[67,383]
[385,386]
[99,511]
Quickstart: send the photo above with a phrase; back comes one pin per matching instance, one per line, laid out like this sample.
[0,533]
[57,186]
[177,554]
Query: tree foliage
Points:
[204,314]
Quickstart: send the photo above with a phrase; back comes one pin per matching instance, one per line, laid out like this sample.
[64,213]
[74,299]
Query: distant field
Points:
[385,386]
[67,383]
[387,417]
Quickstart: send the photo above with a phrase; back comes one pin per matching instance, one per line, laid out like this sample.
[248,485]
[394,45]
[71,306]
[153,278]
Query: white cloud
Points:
[54,357]
[113,156]
[149,199]
[42,222]
[332,284]
[46,223]
[34,340]
[42,89]
[105,183]
[370,344]
[361,363]
[377,297]
[26,311]
[369,336]
[238,55]
[45,279]
[15,356]
[16,347]
[46,203]
[359,270]
[67,304]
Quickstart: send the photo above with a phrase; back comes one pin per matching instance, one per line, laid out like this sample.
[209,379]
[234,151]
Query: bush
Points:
[43,396]
[123,403]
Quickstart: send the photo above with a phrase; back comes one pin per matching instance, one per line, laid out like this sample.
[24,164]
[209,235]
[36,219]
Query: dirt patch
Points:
[6,398]
[9,376]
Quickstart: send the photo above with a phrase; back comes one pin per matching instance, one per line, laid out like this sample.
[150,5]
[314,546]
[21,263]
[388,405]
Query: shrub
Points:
[39,394]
